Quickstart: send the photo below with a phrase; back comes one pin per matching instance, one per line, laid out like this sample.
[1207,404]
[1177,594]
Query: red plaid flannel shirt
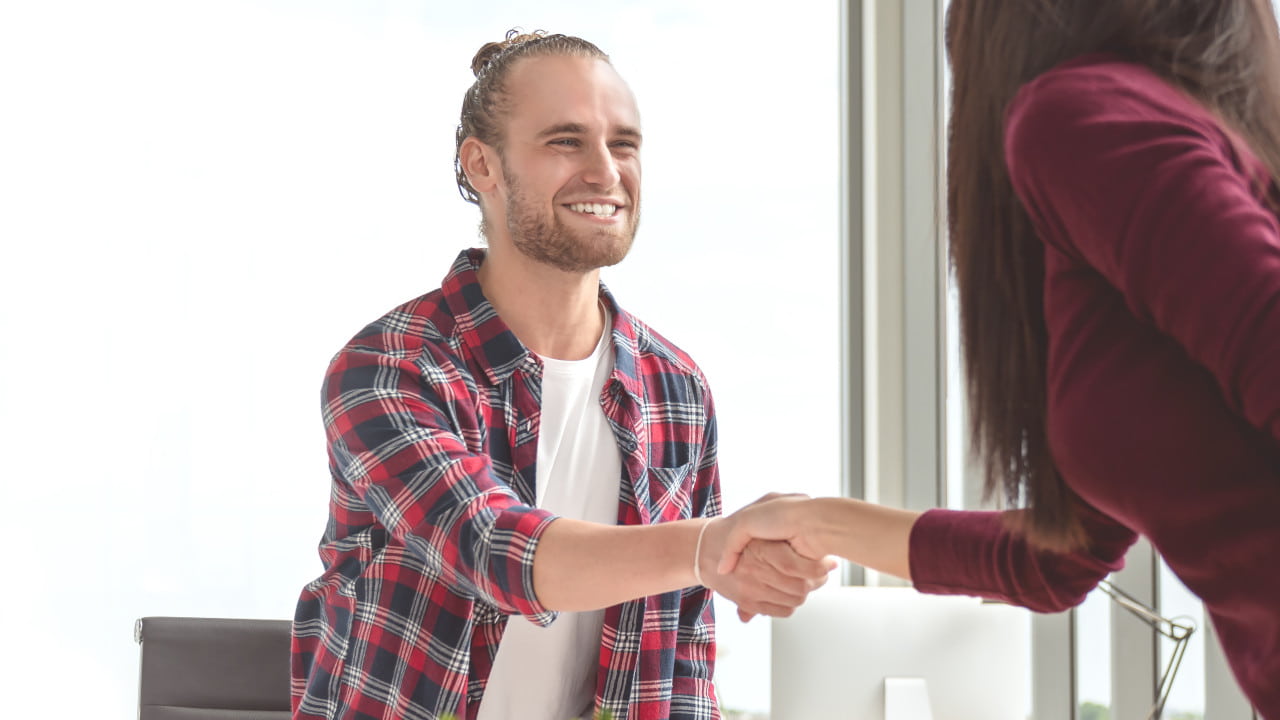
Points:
[432,421]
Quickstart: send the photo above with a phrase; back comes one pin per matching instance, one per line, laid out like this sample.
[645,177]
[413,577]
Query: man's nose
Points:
[602,167]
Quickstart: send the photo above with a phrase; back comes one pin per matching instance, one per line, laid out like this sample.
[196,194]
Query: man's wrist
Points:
[697,552]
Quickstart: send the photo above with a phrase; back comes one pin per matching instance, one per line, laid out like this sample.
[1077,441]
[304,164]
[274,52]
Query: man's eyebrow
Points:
[571,128]
[564,129]
[628,131]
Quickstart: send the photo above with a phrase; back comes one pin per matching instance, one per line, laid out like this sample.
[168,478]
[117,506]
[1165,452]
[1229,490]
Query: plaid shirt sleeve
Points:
[429,545]
[693,695]
[392,438]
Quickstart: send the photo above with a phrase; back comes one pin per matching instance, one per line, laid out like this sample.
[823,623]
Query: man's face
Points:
[571,163]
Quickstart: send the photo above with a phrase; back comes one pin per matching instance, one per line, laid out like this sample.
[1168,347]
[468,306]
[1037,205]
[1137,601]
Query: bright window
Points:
[202,200]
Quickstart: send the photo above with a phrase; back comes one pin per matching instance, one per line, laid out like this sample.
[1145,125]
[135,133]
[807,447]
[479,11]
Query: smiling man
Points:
[523,472]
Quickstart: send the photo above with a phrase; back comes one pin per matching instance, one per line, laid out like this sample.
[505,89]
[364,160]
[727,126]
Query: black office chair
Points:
[213,669]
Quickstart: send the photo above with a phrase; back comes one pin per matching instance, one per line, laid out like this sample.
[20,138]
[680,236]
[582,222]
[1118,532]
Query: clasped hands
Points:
[765,557]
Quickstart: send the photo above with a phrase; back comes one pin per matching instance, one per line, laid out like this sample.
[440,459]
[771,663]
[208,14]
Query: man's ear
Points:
[480,163]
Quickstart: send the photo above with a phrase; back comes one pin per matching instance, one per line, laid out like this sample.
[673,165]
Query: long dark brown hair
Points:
[1224,53]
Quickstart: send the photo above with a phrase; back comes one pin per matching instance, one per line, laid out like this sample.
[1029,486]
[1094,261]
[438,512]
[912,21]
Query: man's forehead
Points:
[577,94]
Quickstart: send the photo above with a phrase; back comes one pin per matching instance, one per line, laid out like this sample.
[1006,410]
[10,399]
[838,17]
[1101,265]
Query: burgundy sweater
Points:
[1162,299]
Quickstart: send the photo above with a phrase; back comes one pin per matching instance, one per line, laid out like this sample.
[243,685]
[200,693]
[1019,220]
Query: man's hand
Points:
[767,577]
[870,535]
[771,578]
[775,516]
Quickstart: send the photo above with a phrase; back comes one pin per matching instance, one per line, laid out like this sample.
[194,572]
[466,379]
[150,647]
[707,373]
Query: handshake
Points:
[766,557]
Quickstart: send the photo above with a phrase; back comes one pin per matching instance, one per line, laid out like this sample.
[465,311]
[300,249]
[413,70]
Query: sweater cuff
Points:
[943,550]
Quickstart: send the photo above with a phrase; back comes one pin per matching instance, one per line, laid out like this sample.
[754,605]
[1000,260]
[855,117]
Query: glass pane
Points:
[1093,657]
[1176,602]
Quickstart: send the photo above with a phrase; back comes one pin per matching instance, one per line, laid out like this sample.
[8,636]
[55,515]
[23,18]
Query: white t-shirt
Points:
[549,673]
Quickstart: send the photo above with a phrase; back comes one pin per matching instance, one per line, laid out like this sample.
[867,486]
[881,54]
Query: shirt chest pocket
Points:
[670,490]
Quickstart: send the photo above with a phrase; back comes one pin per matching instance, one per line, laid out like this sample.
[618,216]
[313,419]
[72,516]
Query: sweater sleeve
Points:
[972,553]
[1122,171]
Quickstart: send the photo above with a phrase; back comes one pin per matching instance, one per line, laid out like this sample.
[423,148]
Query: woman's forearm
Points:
[870,535]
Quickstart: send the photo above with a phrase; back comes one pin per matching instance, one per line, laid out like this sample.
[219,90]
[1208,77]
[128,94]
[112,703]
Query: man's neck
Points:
[554,313]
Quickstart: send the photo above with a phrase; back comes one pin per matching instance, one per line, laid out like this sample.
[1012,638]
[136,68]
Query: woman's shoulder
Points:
[1101,102]
[1103,86]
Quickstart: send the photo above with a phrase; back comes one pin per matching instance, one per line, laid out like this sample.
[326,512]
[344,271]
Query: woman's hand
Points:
[874,536]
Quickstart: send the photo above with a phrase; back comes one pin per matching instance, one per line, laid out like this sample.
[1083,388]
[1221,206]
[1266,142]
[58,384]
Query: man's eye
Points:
[567,142]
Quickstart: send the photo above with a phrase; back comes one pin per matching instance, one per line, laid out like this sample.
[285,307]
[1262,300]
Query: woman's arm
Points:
[873,536]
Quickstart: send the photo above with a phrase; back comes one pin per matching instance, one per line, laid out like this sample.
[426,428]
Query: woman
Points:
[1112,197]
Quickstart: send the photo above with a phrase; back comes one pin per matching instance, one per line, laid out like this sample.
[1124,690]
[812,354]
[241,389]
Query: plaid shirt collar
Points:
[497,349]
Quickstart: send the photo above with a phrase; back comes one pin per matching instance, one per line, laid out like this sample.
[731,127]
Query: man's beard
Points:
[545,238]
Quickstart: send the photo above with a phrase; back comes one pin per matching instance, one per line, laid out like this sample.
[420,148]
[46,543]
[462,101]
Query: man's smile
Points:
[602,210]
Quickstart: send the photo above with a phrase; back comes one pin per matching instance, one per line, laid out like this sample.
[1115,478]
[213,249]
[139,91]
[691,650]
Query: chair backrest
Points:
[202,668]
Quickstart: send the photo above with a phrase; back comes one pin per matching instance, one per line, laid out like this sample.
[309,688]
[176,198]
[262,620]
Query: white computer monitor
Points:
[831,658]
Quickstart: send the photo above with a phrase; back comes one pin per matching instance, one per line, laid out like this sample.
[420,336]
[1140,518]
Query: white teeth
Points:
[598,209]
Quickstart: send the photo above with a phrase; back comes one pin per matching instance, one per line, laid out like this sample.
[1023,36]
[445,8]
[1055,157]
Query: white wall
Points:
[201,200]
